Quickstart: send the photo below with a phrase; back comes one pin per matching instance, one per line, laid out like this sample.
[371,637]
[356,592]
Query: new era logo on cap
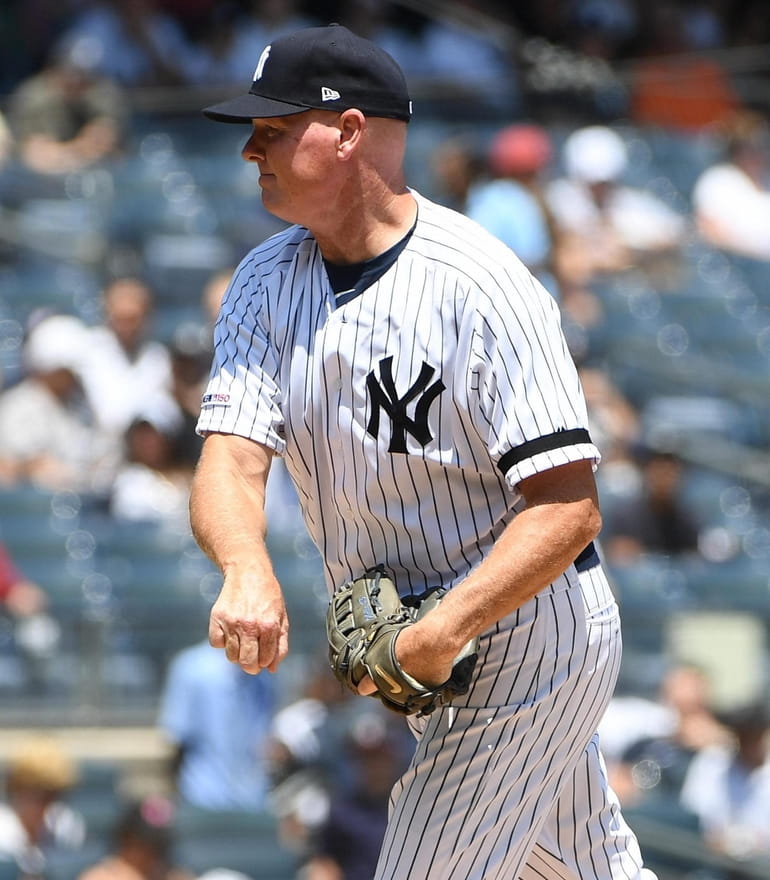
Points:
[315,66]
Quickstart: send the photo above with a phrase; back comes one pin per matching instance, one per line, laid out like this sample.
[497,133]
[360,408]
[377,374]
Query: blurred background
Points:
[622,149]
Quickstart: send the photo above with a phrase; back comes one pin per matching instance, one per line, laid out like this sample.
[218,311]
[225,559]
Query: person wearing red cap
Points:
[509,204]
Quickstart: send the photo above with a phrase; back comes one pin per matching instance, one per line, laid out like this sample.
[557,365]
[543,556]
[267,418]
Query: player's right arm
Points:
[227,515]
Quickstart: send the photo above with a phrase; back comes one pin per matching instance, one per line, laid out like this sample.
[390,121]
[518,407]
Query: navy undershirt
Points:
[348,280]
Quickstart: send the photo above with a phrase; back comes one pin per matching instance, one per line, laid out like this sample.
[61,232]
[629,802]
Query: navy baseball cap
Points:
[322,68]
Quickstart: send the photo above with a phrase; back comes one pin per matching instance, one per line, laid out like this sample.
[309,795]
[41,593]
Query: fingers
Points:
[249,622]
[216,635]
[252,650]
[283,649]
[366,687]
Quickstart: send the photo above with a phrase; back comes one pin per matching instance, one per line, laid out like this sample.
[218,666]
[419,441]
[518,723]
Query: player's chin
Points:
[278,207]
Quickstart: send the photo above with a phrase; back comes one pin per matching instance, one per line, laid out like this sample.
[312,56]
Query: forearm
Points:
[561,518]
[227,516]
[534,550]
[227,508]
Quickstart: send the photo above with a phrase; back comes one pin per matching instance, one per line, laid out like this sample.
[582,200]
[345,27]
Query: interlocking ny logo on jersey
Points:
[383,395]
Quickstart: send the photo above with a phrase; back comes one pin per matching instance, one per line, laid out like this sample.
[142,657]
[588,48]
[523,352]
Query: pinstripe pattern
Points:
[291,372]
[572,843]
[515,765]
[456,355]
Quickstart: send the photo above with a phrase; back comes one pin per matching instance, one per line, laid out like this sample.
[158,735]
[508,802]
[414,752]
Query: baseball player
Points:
[414,376]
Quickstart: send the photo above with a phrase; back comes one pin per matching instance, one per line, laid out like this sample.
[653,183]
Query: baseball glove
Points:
[363,620]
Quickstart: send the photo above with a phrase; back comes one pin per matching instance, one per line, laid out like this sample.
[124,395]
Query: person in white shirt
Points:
[48,435]
[731,199]
[610,224]
[123,367]
[728,787]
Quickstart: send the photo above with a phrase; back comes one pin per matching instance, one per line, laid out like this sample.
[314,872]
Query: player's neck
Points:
[367,231]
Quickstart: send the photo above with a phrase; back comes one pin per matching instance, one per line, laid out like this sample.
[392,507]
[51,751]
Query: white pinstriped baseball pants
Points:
[509,782]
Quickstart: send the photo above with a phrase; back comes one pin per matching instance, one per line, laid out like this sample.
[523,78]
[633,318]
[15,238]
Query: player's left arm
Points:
[560,519]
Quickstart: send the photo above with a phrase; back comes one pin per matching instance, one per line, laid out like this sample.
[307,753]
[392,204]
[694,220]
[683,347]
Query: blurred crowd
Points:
[660,62]
[313,775]
[103,405]
[316,774]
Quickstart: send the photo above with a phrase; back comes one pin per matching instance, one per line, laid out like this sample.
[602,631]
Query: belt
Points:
[588,558]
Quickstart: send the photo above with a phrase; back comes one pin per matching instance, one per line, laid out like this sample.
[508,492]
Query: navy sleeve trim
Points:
[546,443]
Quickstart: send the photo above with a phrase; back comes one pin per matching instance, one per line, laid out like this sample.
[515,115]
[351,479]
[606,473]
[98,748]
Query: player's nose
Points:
[253,150]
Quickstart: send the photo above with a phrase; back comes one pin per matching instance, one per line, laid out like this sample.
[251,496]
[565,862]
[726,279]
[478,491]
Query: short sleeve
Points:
[243,395]
[530,403]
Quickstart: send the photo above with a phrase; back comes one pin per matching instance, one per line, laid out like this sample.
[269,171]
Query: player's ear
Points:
[351,124]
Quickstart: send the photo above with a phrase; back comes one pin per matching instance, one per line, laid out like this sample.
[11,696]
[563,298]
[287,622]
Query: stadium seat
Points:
[240,841]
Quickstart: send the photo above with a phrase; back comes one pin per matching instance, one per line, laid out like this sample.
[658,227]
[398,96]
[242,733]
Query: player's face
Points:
[295,155]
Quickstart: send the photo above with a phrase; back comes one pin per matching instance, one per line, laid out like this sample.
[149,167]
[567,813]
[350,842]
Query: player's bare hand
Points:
[249,622]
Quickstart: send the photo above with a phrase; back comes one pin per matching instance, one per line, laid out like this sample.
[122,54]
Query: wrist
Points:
[431,638]
[247,570]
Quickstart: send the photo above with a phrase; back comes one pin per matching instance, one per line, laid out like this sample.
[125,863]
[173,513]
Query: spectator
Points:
[306,747]
[217,719]
[68,116]
[191,350]
[456,167]
[673,86]
[239,33]
[731,198]
[124,368]
[135,43]
[614,422]
[606,225]
[36,633]
[672,732]
[511,204]
[142,848]
[466,57]
[728,787]
[48,437]
[347,844]
[398,31]
[153,484]
[191,354]
[602,28]
[194,16]
[36,824]
[19,596]
[653,520]
[211,299]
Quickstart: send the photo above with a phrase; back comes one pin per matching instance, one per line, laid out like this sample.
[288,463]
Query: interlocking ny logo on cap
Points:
[261,63]
[328,94]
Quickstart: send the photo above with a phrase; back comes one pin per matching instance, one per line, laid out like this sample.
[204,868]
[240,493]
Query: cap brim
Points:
[244,108]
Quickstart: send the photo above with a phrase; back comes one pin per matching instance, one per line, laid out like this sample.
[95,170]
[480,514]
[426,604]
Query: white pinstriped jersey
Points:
[453,360]
[408,416]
